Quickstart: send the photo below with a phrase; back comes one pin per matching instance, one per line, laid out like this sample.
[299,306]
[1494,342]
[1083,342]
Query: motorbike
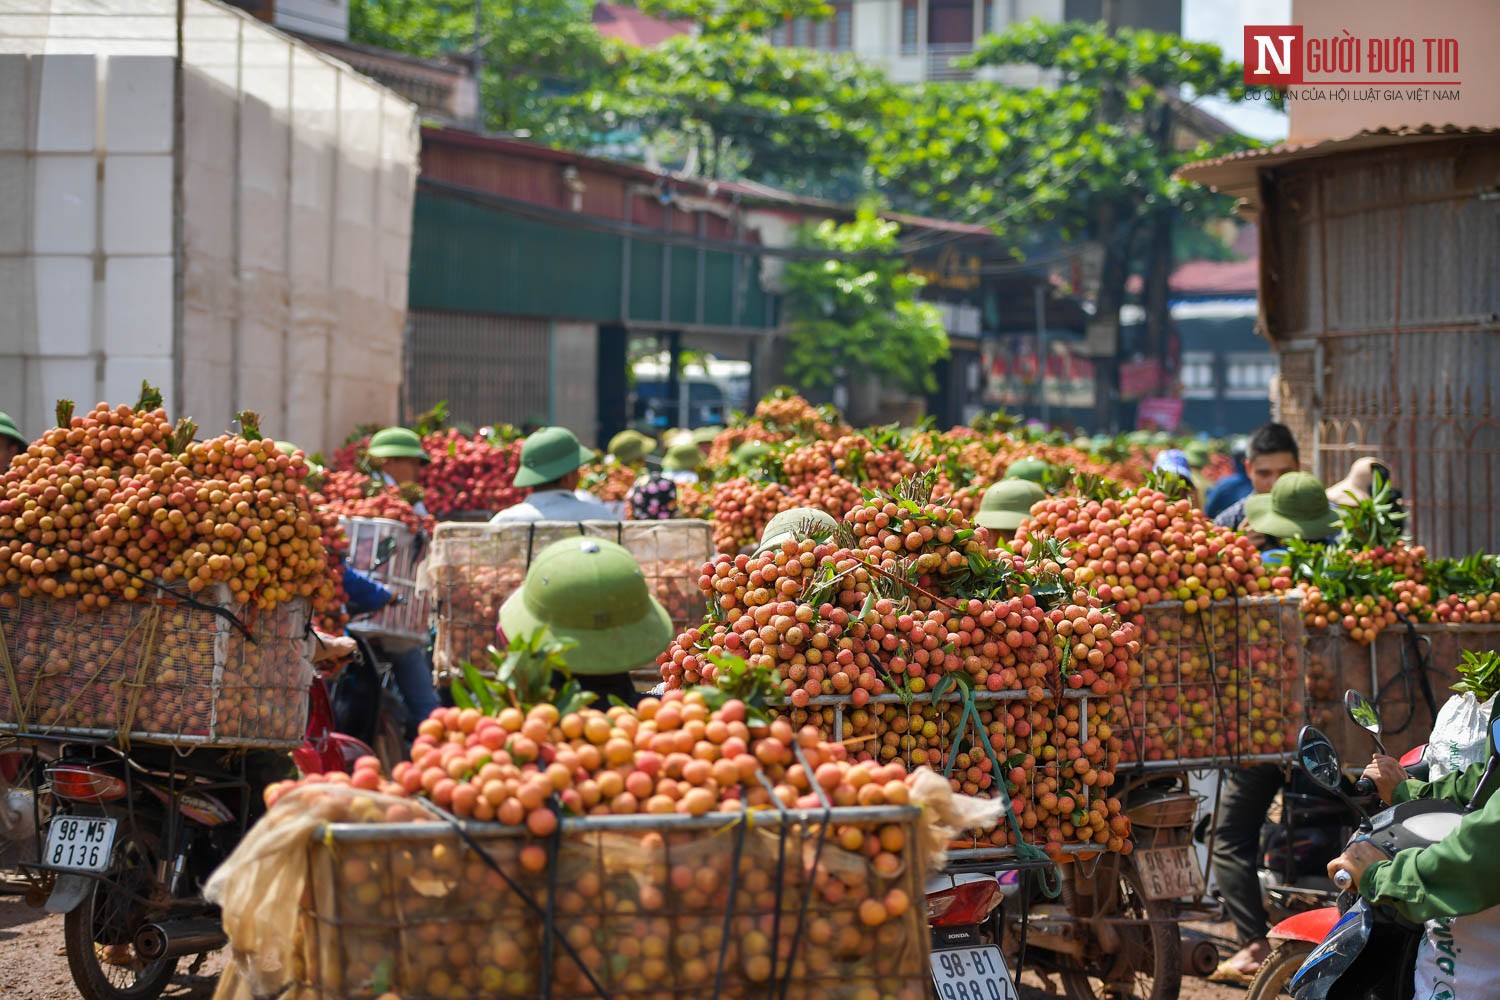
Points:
[962,911]
[25,808]
[133,836]
[364,700]
[324,750]
[1296,935]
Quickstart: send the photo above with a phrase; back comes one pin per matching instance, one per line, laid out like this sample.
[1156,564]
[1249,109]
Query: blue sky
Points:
[1223,23]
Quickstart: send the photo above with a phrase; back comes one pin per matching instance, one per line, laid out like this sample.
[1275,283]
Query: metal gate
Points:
[489,369]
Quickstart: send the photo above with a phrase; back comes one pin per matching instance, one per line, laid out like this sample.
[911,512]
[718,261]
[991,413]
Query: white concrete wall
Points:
[877,35]
[296,188]
[320,18]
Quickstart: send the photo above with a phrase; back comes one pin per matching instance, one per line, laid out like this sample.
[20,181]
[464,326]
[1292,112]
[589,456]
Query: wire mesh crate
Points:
[625,907]
[403,622]
[1219,687]
[156,671]
[473,568]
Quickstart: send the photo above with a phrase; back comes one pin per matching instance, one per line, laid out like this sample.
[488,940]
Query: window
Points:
[1197,375]
[908,27]
[1248,376]
[843,26]
[820,34]
[799,33]
[989,16]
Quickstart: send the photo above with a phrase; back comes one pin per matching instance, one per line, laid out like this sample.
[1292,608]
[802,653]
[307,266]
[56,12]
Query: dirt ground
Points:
[32,965]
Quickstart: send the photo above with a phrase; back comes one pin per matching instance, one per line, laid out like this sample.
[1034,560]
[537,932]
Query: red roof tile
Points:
[629,25]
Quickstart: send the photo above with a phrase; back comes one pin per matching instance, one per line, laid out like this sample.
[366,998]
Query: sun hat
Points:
[630,446]
[550,454]
[1296,507]
[397,442]
[1007,503]
[1173,460]
[794,524]
[706,435]
[1356,486]
[8,429]
[1033,469]
[682,457]
[750,452]
[593,592]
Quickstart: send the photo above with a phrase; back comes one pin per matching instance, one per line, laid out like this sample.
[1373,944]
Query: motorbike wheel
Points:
[99,934]
[1152,952]
[1276,972]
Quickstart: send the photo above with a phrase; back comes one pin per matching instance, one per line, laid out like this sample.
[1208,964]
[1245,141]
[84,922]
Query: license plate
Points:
[82,843]
[971,974]
[1169,872]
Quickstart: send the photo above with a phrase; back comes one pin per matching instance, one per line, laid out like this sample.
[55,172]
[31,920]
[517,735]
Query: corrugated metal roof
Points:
[1235,173]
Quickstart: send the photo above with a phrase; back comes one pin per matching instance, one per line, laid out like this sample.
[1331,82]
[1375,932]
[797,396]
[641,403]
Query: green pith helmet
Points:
[1007,503]
[794,524]
[1032,469]
[550,454]
[289,449]
[631,446]
[750,452]
[591,591]
[397,442]
[1198,453]
[706,435]
[1296,507]
[682,457]
[8,429]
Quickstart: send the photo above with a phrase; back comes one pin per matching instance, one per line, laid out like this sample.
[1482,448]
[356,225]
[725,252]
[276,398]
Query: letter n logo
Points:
[1273,54]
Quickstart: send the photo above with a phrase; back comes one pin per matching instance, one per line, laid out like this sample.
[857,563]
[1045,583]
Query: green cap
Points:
[1006,504]
[8,429]
[1296,507]
[795,524]
[397,442]
[1032,469]
[750,452]
[549,454]
[631,446]
[706,435]
[593,592]
[682,457]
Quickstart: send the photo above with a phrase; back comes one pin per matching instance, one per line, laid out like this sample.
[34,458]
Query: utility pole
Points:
[1114,234]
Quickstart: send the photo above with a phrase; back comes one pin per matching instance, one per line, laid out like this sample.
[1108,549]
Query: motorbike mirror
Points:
[1318,758]
[1364,715]
[384,552]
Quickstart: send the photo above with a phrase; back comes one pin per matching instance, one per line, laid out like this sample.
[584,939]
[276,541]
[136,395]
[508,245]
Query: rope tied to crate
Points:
[10,678]
[1051,878]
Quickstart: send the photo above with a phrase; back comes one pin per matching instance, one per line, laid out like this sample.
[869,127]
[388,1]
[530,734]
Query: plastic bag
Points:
[946,813]
[1460,736]
[259,887]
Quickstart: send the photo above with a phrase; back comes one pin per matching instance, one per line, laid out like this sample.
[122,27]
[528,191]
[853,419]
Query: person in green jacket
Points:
[1457,876]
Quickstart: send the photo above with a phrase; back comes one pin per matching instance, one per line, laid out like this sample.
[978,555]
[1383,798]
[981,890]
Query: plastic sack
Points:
[946,813]
[1460,736]
[259,887]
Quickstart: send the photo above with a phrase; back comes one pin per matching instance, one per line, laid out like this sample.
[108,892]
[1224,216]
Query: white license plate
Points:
[82,843]
[971,974]
[1169,872]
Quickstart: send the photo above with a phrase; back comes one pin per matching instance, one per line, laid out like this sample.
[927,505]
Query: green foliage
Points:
[1480,673]
[523,676]
[533,51]
[1374,522]
[858,312]
[734,678]
[744,106]
[726,17]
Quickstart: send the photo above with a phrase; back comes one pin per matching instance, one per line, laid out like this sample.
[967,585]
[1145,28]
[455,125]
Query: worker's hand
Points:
[1385,773]
[1256,538]
[1358,856]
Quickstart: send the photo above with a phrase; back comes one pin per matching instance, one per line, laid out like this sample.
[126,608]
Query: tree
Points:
[858,313]
[533,52]
[745,107]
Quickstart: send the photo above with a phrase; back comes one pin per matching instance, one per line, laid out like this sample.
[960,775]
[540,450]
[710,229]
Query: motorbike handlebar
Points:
[1364,786]
[1343,880]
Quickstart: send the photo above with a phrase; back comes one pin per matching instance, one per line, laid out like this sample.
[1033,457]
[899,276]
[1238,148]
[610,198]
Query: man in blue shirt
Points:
[1232,488]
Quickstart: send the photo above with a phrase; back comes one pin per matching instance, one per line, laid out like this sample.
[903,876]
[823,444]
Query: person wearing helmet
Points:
[1006,504]
[591,592]
[793,526]
[704,438]
[551,460]
[654,496]
[12,441]
[398,456]
[630,447]
[1034,470]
